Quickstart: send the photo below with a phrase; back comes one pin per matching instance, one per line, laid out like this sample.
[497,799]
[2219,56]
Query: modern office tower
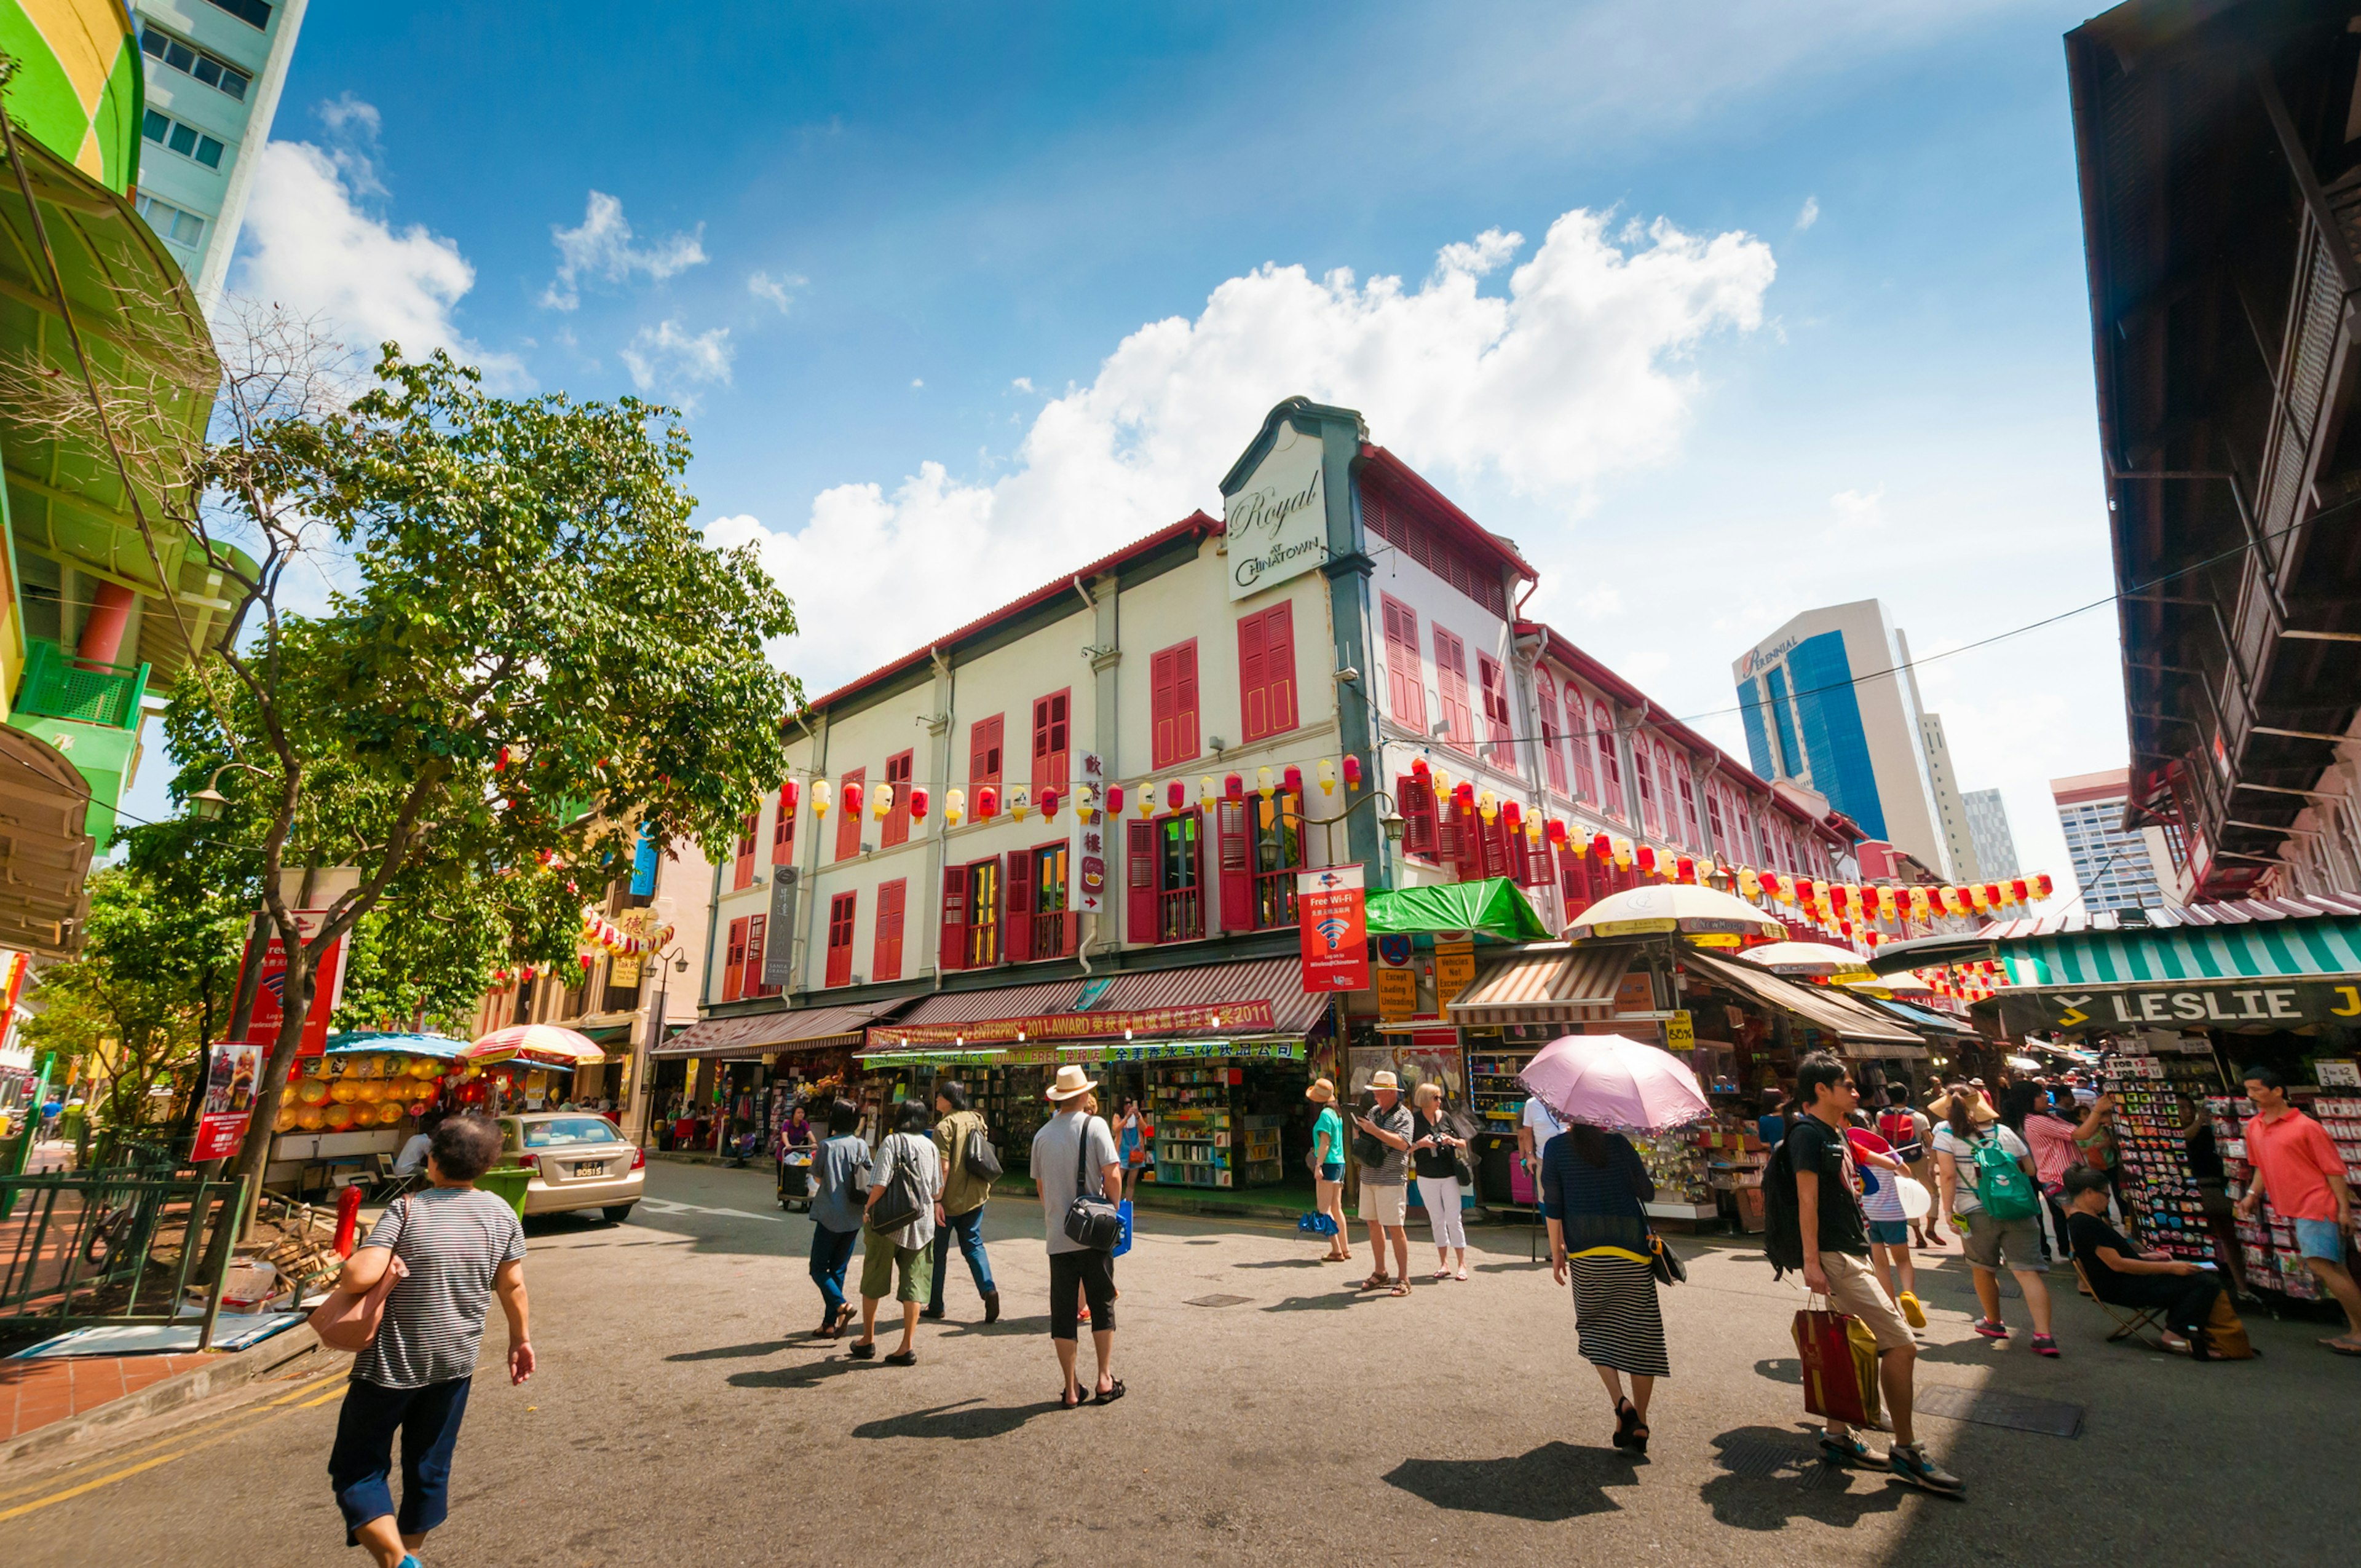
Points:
[2111,865]
[1950,809]
[1988,828]
[214,70]
[1830,701]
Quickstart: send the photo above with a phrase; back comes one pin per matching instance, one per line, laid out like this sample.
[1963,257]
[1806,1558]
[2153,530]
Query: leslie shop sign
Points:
[2283,1004]
[1277,526]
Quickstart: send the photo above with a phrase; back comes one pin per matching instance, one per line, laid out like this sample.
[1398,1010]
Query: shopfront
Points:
[724,1081]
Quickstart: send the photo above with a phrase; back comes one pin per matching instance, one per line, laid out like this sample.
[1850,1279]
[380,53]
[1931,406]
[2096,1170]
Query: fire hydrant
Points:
[348,1219]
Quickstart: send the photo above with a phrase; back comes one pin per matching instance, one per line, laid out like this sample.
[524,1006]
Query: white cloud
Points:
[1858,510]
[916,382]
[779,290]
[309,247]
[1809,215]
[1581,367]
[602,249]
[353,126]
[1599,603]
[665,357]
[1023,383]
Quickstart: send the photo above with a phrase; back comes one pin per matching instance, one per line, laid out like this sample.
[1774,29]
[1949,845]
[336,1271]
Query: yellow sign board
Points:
[1455,970]
[1680,1032]
[1397,995]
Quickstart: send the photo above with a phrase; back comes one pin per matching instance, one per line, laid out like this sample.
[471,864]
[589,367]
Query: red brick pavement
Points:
[49,1388]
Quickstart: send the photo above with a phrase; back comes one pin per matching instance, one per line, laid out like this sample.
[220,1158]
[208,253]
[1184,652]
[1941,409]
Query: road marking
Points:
[182,1434]
[667,1206]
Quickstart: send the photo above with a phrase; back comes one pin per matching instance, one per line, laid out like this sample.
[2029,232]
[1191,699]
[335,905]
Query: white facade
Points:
[1950,806]
[1988,828]
[2111,866]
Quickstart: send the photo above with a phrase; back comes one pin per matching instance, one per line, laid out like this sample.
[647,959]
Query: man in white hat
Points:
[1075,1152]
[1385,1186]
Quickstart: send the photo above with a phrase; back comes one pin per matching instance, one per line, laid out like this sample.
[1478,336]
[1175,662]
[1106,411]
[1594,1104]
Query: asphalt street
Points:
[683,1416]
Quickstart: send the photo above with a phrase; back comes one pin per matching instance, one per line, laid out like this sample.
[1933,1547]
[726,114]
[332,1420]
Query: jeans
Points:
[969,1228]
[832,1252]
[428,1420]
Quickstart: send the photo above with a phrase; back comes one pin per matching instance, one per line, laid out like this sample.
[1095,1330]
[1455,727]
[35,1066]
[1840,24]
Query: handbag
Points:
[1092,1221]
[1838,1355]
[1664,1262]
[349,1321]
[978,1158]
[898,1206]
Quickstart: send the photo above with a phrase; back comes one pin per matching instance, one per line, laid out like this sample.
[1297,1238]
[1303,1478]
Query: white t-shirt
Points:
[1963,1152]
[413,1157]
[1545,1124]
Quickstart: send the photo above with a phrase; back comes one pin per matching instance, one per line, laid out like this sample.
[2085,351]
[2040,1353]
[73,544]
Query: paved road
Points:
[681,1417]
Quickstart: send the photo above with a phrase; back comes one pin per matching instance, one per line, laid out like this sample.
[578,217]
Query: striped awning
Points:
[1548,982]
[2260,949]
[1265,997]
[787,1029]
[1848,1020]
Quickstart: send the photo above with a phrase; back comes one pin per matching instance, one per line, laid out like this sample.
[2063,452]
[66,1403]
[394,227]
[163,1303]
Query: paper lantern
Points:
[2020,892]
[291,1113]
[1888,904]
[1115,800]
[1352,774]
[1233,787]
[1771,883]
[821,791]
[1644,857]
[1602,846]
[1487,805]
[417,1108]
[1840,899]
[1292,780]
[987,803]
[1917,902]
[1442,783]
[1418,768]
[1685,869]
[917,802]
[852,798]
[1048,805]
[1806,892]
[2042,885]
[1176,795]
[344,1091]
[368,1091]
[1326,772]
[1557,833]
[1533,831]
[880,801]
[1265,784]
[1976,898]
[1512,813]
[1623,852]
[1749,885]
[954,806]
[311,1091]
[340,1115]
[788,795]
[310,1118]
[1206,792]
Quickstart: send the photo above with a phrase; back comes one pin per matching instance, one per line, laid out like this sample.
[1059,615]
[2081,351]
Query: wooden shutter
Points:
[783,833]
[1278,667]
[742,861]
[1016,907]
[1451,681]
[733,963]
[1172,705]
[950,950]
[752,984]
[1610,767]
[896,827]
[885,963]
[1648,820]
[1573,882]
[1235,865]
[1446,832]
[1494,682]
[1466,844]
[840,939]
[1495,838]
[1553,759]
[1139,881]
[1518,855]
[847,821]
[983,757]
[1415,797]
[1254,675]
[1586,781]
[1543,863]
[1405,687]
[1050,736]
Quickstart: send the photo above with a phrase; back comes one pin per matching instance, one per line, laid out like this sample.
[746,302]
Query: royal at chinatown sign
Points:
[1276,526]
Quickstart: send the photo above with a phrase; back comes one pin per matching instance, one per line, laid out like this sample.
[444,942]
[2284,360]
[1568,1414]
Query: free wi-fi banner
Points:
[1329,904]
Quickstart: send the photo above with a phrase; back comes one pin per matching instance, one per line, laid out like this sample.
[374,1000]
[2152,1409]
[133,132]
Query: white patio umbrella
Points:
[1680,907]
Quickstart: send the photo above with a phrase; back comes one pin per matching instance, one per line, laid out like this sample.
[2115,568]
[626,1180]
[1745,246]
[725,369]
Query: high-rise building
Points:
[214,70]
[1829,702]
[1951,808]
[1988,829]
[2111,864]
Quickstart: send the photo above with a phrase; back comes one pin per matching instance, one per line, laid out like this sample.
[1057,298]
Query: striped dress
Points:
[1618,1323]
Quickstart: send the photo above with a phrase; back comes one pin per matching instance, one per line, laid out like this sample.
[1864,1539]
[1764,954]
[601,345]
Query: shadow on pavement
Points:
[809,1374]
[1335,1302]
[1779,1370]
[1771,1476]
[1553,1483]
[956,1421]
[733,1352]
[1006,1326]
[1283,1263]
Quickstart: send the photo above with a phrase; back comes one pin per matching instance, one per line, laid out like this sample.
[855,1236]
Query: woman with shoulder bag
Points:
[1434,1158]
[897,1230]
[1593,1190]
[449,1249]
[1326,1159]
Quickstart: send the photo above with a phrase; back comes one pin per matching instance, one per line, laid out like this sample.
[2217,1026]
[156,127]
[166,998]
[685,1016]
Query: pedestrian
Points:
[2298,1167]
[1834,1255]
[1988,1192]
[795,1132]
[1535,1128]
[1385,1182]
[1437,1168]
[959,1211]
[1593,1187]
[2052,1133]
[1074,1153]
[460,1246]
[1132,1140]
[2124,1276]
[837,1185]
[1328,1169]
[1889,1226]
[1906,1131]
[1771,1125]
[905,1152]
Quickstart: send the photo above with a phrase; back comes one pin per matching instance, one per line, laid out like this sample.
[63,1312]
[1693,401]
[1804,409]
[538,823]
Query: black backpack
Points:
[1783,1232]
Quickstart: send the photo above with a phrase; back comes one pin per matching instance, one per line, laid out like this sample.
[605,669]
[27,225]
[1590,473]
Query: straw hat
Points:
[1385,1081]
[1982,1114]
[1321,1091]
[1070,1083]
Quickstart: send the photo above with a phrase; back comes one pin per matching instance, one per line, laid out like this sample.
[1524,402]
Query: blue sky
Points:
[900,263]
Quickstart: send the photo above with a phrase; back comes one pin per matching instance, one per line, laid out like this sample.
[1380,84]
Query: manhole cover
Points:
[1216,1301]
[1990,1407]
[1761,1461]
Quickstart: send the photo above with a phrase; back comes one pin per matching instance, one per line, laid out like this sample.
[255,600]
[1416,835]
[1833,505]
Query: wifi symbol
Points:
[1332,930]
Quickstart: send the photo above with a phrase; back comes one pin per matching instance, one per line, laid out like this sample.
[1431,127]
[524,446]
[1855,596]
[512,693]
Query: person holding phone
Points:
[2124,1276]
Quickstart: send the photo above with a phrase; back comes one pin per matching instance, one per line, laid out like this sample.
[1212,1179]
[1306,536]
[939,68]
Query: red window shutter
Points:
[1050,735]
[733,963]
[1466,844]
[1172,705]
[1518,854]
[1140,881]
[1543,865]
[847,821]
[742,861]
[1405,687]
[1163,702]
[1016,907]
[1688,812]
[1236,865]
[783,833]
[950,950]
[1553,759]
[1415,797]
[897,829]
[1574,881]
[984,750]
[840,939]
[1495,837]
[1494,681]
[1278,666]
[1446,832]
[1254,675]
[1451,681]
[752,985]
[885,963]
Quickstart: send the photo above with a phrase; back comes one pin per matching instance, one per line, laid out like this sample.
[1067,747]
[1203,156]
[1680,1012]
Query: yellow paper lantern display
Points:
[345,1091]
[340,1114]
[311,1091]
[310,1118]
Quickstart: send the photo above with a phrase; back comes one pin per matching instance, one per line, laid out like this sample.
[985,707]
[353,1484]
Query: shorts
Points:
[1853,1287]
[1332,1171]
[1890,1233]
[2320,1239]
[1385,1205]
[1086,1274]
[2004,1243]
[879,1261]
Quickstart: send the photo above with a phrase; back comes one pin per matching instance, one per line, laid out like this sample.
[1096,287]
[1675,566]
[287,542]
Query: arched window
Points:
[1651,819]
[1689,812]
[1586,781]
[1553,759]
[1713,821]
[1611,768]
[1665,776]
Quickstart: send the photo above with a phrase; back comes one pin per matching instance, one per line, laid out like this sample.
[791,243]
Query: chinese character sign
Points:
[1329,904]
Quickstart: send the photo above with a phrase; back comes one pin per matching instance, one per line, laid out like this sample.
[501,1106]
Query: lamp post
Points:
[642,1088]
[206,805]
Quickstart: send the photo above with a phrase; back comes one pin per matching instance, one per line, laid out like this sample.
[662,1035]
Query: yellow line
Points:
[7,1514]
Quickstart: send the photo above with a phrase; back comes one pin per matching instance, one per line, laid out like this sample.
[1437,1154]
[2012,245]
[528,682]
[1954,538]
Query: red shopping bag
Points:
[1839,1358]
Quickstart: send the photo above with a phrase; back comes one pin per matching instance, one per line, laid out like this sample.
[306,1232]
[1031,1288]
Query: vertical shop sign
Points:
[779,944]
[1455,970]
[1397,979]
[230,1100]
[1334,916]
[1087,896]
[269,997]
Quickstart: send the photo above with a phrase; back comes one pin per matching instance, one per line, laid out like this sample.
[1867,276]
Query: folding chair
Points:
[385,1186]
[2138,1324]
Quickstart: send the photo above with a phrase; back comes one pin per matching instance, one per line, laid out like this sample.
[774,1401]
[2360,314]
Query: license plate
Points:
[589,1168]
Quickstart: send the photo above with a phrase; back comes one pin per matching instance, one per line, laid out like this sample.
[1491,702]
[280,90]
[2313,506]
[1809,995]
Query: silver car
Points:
[579,1162]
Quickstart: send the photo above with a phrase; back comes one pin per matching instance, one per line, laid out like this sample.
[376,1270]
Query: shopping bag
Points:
[2226,1334]
[1840,1361]
[1315,1225]
[1122,1242]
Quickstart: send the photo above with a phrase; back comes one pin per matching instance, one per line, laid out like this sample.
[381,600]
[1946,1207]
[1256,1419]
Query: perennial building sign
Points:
[1277,524]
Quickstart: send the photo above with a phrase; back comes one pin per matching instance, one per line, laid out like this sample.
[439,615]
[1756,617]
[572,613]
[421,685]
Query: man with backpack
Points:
[1906,1129]
[1815,1224]
[1986,1185]
[970,1165]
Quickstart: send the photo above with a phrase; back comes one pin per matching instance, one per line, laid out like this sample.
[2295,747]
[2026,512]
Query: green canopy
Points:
[1492,908]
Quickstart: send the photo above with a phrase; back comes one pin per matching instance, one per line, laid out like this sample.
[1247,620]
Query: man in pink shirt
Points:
[2298,1166]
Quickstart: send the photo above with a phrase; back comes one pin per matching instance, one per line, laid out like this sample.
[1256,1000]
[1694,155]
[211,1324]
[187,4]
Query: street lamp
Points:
[206,805]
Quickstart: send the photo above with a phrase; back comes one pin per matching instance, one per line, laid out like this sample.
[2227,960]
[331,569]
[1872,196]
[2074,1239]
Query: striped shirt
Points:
[454,1240]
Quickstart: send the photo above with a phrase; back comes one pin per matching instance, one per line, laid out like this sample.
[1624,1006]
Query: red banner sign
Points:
[270,998]
[230,1084]
[1330,904]
[1229,1017]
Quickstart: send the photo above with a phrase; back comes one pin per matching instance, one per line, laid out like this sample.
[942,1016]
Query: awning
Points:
[1261,998]
[2263,950]
[1548,983]
[1493,908]
[1924,1020]
[787,1029]
[1842,1017]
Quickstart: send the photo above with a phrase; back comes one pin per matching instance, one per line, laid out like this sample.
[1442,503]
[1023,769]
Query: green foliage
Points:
[425,956]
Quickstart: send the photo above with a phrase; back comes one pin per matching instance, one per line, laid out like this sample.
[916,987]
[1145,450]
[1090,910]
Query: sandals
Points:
[1377,1281]
[1441,1275]
[1071,1399]
[1627,1421]
[1400,1288]
[903,1358]
[1109,1396]
[1461,1275]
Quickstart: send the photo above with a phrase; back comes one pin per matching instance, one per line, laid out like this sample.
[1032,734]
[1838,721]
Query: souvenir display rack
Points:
[1493,1090]
[2268,1241]
[2154,1180]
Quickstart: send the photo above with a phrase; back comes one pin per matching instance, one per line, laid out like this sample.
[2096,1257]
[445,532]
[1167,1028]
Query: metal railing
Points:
[110,1246]
[59,686]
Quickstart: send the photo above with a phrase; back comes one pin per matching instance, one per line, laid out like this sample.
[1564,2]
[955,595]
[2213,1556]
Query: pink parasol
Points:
[1609,1082]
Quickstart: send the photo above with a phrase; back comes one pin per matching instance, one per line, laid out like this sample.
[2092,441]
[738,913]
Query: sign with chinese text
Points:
[779,944]
[1455,970]
[230,1081]
[1241,1017]
[269,997]
[1331,914]
[1088,893]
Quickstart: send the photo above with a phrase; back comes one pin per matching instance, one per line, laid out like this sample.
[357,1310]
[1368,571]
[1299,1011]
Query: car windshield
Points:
[564,1130]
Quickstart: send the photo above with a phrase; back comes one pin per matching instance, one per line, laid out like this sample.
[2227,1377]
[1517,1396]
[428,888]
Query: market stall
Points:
[740,1075]
[361,1100]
